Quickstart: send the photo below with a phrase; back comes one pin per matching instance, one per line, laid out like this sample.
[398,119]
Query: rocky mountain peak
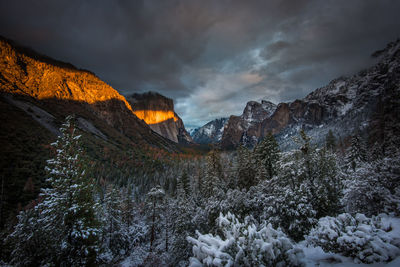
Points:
[211,132]
[158,112]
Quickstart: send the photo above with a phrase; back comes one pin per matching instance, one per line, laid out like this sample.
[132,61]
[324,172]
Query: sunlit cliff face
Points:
[155,116]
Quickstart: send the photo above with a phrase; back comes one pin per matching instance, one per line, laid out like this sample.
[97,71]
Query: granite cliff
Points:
[158,112]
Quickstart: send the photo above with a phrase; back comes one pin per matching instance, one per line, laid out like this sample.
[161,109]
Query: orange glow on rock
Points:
[155,116]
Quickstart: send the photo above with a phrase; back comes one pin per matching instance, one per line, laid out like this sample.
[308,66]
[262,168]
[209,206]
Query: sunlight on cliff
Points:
[155,116]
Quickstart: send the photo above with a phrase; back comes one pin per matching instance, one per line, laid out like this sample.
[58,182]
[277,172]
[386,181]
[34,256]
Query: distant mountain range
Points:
[47,89]
[361,103]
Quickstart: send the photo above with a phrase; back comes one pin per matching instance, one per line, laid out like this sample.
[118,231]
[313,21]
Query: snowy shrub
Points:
[292,211]
[365,239]
[244,244]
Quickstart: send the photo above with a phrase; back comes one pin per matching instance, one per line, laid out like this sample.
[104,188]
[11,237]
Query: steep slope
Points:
[237,129]
[36,94]
[31,79]
[345,105]
[210,133]
[158,112]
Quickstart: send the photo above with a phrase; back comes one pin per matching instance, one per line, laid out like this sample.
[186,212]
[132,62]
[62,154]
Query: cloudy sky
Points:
[211,57]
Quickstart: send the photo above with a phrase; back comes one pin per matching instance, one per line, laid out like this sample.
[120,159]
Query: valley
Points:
[94,177]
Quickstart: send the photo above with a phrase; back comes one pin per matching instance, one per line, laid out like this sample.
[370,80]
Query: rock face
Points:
[345,105]
[243,128]
[60,89]
[158,112]
[211,132]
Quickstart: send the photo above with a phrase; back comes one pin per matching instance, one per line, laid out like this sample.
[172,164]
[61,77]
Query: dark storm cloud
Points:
[210,56]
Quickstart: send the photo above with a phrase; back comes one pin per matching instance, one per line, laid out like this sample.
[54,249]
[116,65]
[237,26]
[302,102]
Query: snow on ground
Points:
[343,110]
[135,258]
[315,256]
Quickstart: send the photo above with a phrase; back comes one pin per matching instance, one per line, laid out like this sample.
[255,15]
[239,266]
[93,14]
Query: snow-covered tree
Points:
[267,156]
[68,210]
[212,181]
[113,236]
[155,197]
[330,141]
[183,185]
[356,153]
[67,214]
[30,242]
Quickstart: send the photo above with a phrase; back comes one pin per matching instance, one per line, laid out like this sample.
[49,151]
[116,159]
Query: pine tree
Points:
[155,197]
[68,209]
[212,182]
[267,155]
[66,218]
[112,221]
[356,153]
[183,185]
[330,141]
[245,168]
[30,242]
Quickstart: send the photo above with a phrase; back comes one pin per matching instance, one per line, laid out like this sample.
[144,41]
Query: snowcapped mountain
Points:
[345,105]
[209,133]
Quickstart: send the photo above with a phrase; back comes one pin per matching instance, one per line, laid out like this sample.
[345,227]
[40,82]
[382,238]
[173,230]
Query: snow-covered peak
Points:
[211,132]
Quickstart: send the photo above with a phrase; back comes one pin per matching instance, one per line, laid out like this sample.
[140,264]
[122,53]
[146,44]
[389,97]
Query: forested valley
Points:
[248,207]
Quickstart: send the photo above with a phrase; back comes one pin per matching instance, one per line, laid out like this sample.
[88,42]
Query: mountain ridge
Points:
[344,106]
[34,78]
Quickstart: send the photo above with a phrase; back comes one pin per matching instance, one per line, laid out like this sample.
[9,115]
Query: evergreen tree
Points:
[183,186]
[267,155]
[30,242]
[112,223]
[155,197]
[245,168]
[67,215]
[69,206]
[356,153]
[211,184]
[330,141]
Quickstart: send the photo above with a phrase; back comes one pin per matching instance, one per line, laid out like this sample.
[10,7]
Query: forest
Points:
[337,203]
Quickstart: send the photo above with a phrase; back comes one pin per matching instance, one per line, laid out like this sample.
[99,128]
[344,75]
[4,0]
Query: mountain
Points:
[239,129]
[158,112]
[36,94]
[210,133]
[345,105]
[54,89]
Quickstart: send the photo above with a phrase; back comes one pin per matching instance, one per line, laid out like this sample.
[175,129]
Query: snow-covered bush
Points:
[364,239]
[292,211]
[244,244]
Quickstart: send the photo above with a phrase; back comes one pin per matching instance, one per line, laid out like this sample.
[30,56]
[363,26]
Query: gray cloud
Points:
[210,56]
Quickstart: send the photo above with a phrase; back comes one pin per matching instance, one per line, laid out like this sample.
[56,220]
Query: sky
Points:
[210,56]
